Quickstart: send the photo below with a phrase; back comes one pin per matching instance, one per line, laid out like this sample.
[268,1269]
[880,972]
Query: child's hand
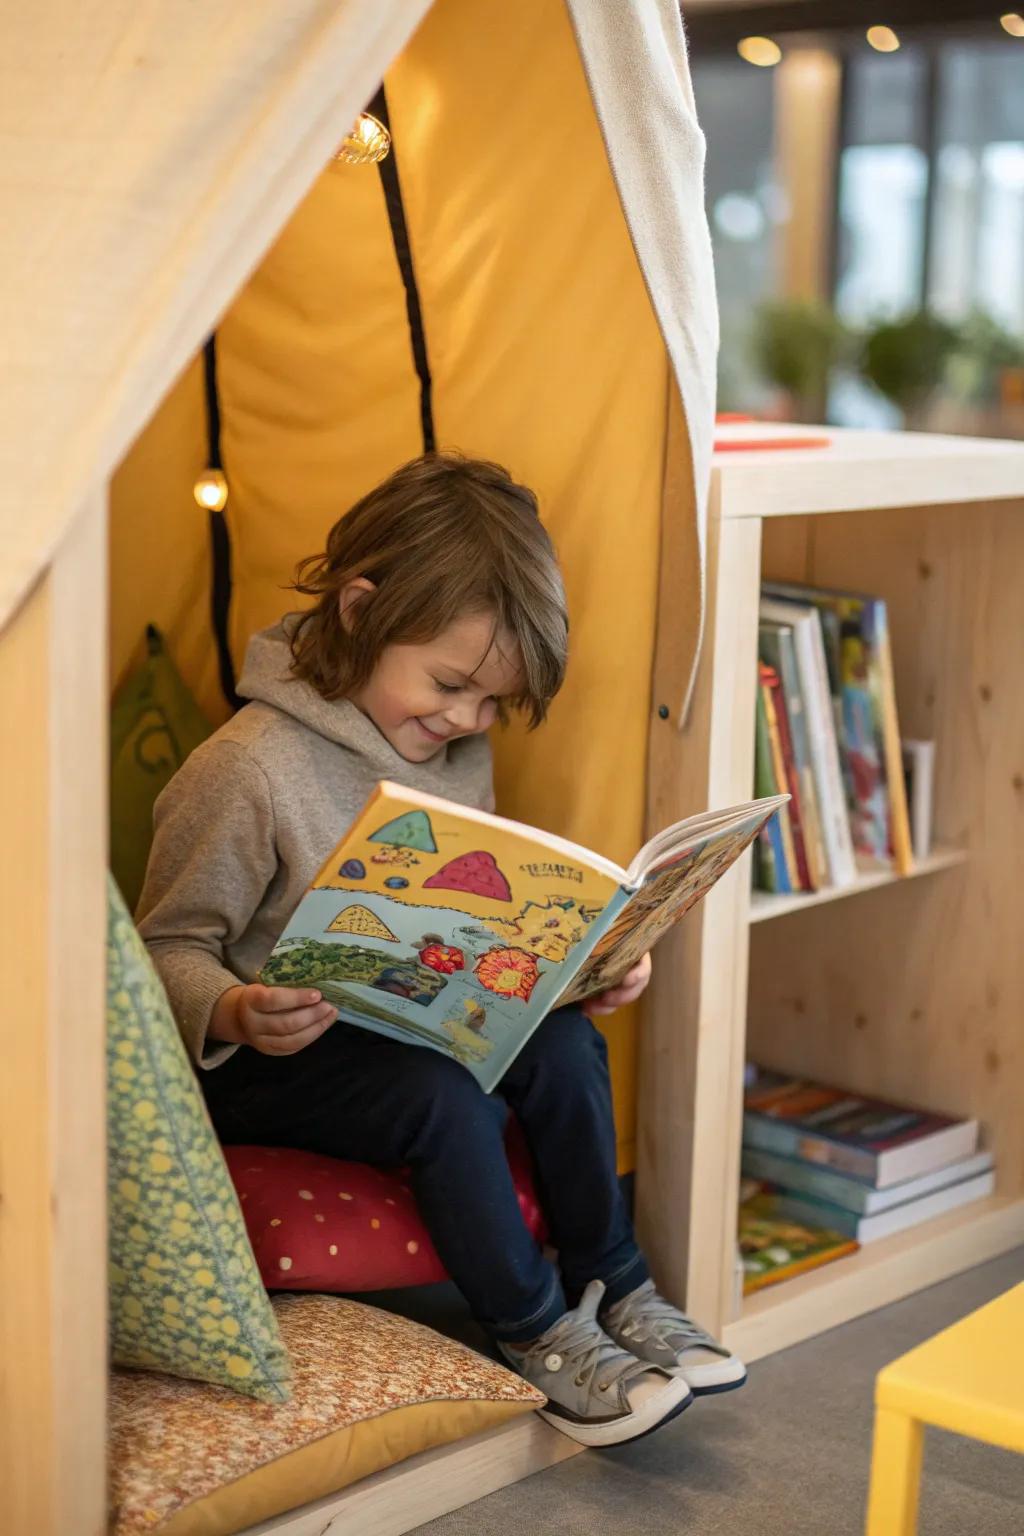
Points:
[275,1020]
[627,991]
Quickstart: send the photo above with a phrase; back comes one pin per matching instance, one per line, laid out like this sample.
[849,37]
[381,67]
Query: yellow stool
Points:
[970,1379]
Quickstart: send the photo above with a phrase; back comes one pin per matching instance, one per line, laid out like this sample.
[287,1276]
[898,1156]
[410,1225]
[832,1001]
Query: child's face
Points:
[421,696]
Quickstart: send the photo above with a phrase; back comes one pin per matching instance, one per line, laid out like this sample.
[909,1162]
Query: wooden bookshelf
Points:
[764,906]
[915,990]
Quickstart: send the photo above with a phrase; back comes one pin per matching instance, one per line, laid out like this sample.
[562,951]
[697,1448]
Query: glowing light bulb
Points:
[883,39]
[1012,22]
[211,490]
[366,143]
[762,51]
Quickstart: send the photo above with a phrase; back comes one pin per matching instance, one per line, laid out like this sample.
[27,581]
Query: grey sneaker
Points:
[657,1333]
[597,1393]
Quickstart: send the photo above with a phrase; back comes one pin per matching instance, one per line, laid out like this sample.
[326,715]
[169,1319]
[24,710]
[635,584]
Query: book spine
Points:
[835,821]
[770,868]
[899,819]
[809,814]
[792,783]
[779,770]
[772,1135]
[919,781]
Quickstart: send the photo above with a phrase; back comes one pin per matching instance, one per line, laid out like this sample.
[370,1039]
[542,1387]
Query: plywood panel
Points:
[917,990]
[52,1079]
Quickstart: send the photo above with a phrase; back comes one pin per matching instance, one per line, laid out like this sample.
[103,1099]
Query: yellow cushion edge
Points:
[334,1462]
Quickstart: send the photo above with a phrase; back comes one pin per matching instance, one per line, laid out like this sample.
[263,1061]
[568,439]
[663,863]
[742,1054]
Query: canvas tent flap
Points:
[148,155]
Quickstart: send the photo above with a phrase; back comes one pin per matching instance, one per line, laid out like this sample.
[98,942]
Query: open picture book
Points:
[447,927]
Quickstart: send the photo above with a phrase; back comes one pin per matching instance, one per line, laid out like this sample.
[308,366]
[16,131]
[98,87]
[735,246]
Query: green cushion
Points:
[185,1293]
[154,725]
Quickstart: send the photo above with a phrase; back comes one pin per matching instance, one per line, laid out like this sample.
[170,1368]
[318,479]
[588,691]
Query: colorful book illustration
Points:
[443,926]
[856,1196]
[774,1248]
[789,715]
[778,649]
[870,729]
[808,624]
[869,1138]
[898,1218]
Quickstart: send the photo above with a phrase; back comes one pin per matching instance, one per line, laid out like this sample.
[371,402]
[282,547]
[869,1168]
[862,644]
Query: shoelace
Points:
[597,1359]
[649,1315]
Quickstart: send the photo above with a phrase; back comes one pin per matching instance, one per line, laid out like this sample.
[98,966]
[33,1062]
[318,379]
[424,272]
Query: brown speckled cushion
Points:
[174,1444]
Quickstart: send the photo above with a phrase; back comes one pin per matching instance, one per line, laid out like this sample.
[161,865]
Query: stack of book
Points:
[827,734]
[850,1170]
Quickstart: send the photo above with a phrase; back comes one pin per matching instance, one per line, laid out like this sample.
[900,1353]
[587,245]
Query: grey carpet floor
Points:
[788,1455]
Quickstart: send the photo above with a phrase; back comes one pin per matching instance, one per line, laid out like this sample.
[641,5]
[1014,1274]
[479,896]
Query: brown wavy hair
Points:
[441,538]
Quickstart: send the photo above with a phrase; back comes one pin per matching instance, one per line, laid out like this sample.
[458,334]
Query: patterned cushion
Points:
[319,1224]
[185,1293]
[154,724]
[369,1389]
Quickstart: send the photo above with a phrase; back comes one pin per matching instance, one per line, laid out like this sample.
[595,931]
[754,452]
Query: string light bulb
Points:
[366,143]
[762,51]
[883,39]
[1012,22]
[211,490]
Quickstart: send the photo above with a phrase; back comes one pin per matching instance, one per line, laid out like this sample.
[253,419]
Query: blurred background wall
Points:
[865,190]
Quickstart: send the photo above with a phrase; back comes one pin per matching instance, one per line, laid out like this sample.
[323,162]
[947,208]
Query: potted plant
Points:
[906,359]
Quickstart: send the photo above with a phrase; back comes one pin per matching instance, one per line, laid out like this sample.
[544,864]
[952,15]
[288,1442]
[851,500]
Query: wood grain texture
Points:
[916,991]
[692,1043]
[429,1485]
[53,1295]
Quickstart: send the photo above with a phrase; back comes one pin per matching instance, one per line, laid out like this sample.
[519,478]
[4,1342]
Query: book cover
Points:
[774,1248]
[871,1138]
[857,1196]
[769,685]
[792,785]
[779,648]
[446,927]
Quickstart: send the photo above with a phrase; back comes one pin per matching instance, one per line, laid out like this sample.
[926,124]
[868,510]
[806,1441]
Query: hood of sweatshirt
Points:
[267,679]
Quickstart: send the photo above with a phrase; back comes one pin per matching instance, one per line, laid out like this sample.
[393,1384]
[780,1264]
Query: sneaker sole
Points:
[620,1431]
[719,1386]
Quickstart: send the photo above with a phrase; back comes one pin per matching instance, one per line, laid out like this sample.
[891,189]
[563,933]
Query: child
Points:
[438,604]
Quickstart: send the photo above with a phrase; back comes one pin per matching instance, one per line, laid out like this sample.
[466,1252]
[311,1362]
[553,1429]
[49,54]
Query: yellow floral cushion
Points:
[369,1390]
[185,1293]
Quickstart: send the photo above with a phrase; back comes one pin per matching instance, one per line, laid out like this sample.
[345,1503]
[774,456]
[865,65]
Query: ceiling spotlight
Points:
[1012,22]
[759,50]
[883,39]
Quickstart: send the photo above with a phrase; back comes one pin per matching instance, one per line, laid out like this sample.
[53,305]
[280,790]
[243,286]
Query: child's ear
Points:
[351,599]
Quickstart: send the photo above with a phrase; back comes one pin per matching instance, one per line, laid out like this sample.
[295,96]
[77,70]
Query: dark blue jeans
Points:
[361,1096]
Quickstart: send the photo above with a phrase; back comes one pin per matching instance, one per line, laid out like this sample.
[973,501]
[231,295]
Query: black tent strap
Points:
[392,187]
[220,539]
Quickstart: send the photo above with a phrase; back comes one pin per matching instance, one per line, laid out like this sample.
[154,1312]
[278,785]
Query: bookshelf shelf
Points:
[915,995]
[880,1273]
[764,906]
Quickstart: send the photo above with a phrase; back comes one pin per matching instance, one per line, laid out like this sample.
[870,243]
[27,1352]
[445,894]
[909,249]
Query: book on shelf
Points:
[919,782]
[869,736]
[774,1248]
[446,927]
[768,683]
[857,1196]
[870,1138]
[897,1218]
[807,622]
[777,648]
[771,872]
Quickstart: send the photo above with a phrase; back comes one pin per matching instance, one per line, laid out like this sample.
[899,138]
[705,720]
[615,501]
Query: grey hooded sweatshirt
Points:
[251,816]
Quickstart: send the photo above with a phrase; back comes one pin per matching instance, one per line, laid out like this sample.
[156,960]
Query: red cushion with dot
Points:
[319,1224]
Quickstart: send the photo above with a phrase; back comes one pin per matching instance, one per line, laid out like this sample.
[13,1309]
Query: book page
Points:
[670,889]
[445,930]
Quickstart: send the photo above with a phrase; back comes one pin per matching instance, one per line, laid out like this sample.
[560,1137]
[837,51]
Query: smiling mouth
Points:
[428,732]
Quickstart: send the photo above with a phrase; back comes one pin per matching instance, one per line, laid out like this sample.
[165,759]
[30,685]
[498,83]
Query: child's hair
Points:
[443,537]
